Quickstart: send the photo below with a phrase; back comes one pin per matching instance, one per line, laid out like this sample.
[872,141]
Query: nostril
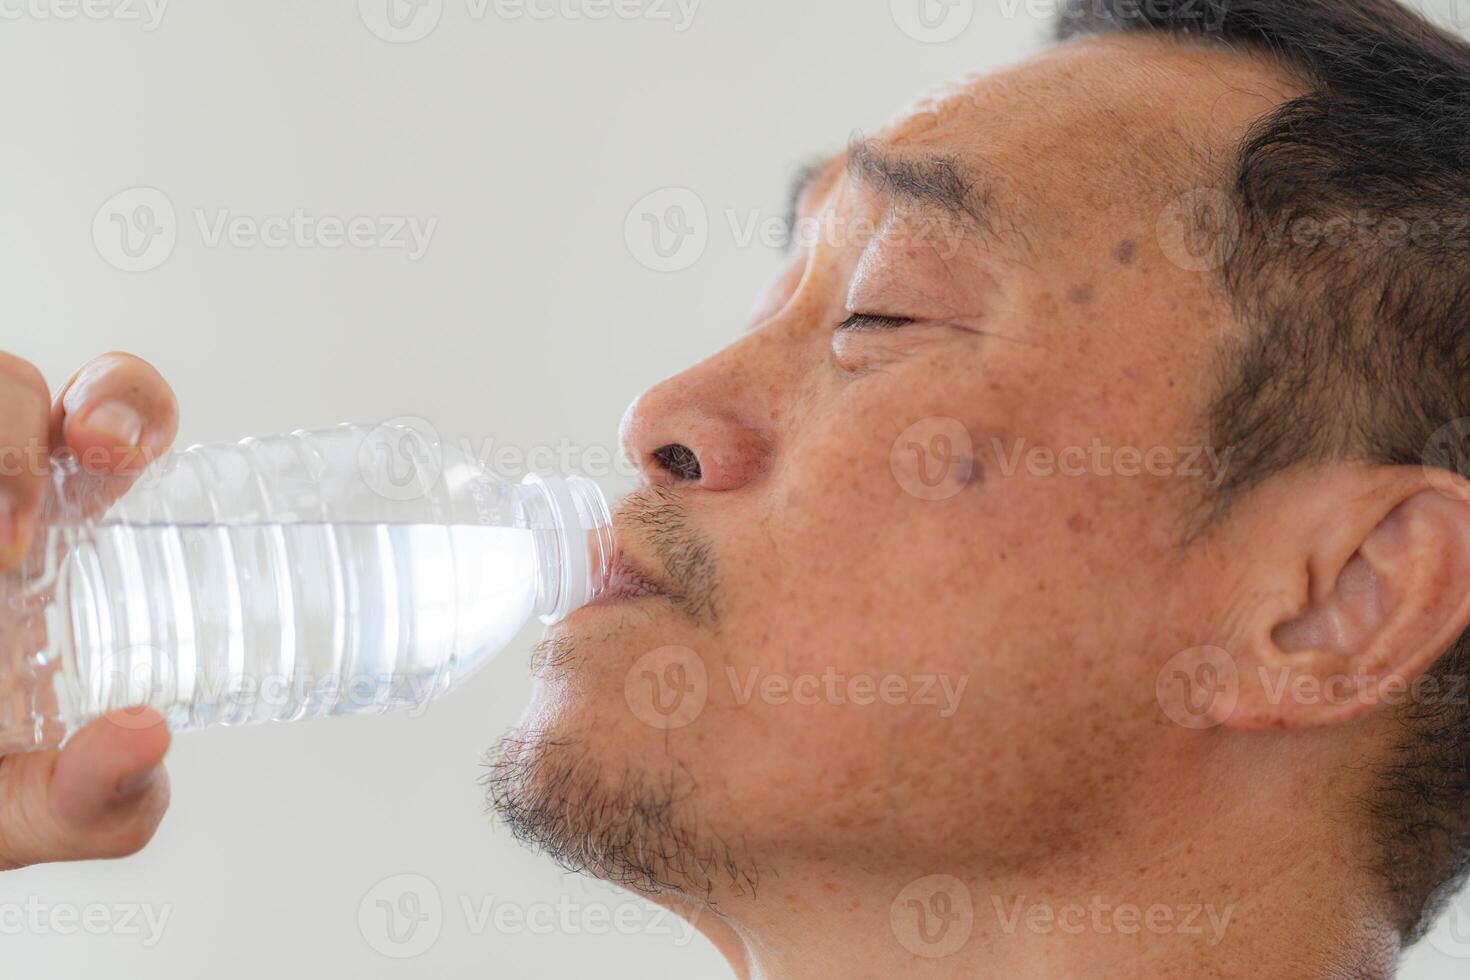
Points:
[679,461]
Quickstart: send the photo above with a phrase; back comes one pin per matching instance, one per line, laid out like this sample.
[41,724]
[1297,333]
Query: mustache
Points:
[688,564]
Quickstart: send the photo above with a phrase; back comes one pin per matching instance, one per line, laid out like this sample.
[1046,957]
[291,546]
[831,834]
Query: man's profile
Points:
[1066,572]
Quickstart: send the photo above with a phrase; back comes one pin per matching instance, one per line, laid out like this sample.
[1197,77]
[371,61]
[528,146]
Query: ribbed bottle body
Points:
[347,571]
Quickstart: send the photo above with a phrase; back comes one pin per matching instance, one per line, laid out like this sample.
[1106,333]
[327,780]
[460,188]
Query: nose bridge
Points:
[712,424]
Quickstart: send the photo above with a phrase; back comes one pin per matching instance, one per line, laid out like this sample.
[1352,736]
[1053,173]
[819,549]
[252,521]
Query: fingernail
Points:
[137,785]
[118,421]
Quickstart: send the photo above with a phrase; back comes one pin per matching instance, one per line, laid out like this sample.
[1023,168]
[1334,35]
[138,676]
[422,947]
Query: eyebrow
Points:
[933,181]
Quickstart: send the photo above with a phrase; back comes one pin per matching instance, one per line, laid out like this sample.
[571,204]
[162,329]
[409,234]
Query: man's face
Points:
[912,608]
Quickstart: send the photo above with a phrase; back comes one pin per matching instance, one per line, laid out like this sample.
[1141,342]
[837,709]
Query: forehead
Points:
[1088,121]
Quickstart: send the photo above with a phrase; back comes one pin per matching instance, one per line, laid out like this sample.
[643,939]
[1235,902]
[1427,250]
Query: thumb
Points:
[102,796]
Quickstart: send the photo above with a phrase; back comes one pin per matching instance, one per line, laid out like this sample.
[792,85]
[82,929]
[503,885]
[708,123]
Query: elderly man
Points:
[1065,573]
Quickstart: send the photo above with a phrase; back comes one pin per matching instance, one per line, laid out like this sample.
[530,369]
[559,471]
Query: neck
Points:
[1171,901]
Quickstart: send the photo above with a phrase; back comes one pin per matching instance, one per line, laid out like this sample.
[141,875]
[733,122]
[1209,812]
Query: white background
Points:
[529,321]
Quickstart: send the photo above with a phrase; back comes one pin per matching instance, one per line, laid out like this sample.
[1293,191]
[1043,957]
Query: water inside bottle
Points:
[228,624]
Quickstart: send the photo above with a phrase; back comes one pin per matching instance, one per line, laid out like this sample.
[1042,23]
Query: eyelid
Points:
[868,321]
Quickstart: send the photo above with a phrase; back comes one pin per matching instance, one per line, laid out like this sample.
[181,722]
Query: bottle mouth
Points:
[575,544]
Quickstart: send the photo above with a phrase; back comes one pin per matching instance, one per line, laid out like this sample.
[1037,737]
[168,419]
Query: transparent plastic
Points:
[353,570]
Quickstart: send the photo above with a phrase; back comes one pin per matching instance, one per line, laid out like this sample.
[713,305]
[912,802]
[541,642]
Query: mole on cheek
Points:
[1125,252]
[1080,294]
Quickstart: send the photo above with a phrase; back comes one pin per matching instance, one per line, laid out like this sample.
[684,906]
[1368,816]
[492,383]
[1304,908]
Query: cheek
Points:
[866,556]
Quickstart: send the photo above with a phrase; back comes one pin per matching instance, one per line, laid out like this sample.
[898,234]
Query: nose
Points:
[694,429]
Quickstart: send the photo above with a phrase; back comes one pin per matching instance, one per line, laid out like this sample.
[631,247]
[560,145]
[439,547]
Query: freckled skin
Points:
[1056,597]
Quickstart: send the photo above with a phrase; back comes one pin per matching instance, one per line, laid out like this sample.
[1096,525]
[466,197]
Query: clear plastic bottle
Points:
[348,571]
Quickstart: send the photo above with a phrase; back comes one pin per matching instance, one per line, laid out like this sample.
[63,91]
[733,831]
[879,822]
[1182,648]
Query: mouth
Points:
[627,581]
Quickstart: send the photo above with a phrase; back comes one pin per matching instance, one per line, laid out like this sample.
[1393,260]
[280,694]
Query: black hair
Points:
[1357,344]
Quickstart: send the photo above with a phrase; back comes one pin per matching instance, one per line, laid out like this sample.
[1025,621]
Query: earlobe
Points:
[1380,590]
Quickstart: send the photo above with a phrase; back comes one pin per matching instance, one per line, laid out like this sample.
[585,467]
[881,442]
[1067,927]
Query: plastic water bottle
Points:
[349,571]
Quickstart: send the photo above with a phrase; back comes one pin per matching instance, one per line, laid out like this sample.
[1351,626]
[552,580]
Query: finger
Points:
[116,415]
[23,453]
[102,796]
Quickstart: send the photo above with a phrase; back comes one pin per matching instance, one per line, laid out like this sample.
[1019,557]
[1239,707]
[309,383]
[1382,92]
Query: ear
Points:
[1358,579]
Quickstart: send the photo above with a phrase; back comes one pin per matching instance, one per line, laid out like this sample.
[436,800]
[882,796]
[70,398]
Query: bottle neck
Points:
[572,531]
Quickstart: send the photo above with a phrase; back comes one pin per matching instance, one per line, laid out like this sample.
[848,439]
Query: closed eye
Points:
[867,321]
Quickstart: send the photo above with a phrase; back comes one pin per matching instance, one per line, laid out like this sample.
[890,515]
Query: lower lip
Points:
[624,588]
[621,595]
